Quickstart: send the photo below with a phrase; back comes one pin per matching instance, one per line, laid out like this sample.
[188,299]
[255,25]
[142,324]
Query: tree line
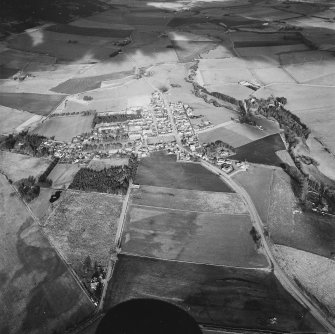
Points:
[113,118]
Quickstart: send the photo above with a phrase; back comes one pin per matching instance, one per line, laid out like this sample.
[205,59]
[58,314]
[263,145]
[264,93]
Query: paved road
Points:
[279,273]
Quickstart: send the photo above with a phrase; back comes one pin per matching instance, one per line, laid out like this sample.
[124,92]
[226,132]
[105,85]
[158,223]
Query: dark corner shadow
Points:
[147,316]
[23,14]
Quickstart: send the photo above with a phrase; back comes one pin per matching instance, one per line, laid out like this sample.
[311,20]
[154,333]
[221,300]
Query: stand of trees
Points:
[43,179]
[115,118]
[28,188]
[113,180]
[212,150]
[22,142]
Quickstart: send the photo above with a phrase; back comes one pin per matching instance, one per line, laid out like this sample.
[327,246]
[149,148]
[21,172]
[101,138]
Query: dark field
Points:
[261,151]
[99,32]
[40,104]
[163,171]
[191,237]
[6,72]
[220,296]
[191,200]
[79,85]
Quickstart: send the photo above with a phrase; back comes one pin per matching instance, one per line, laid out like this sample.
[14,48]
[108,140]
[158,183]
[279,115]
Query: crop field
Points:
[257,182]
[79,85]
[226,76]
[222,133]
[304,57]
[220,51]
[261,151]
[41,206]
[100,164]
[188,50]
[10,119]
[62,175]
[38,293]
[163,171]
[191,236]
[64,128]
[18,166]
[19,59]
[221,296]
[84,224]
[190,200]
[289,226]
[99,32]
[40,104]
[312,271]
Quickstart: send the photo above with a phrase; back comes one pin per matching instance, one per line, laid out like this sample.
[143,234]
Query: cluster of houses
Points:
[160,114]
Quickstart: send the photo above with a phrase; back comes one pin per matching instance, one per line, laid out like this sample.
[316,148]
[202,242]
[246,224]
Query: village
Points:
[151,130]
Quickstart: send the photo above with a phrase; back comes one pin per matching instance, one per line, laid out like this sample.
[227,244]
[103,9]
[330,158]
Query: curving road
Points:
[279,273]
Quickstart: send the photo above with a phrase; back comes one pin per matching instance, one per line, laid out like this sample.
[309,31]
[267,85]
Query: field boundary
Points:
[267,269]
[204,212]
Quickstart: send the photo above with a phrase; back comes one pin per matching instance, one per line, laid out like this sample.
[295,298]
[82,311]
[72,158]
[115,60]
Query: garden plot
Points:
[40,104]
[64,128]
[85,224]
[191,237]
[190,200]
[10,119]
[47,298]
[225,135]
[19,166]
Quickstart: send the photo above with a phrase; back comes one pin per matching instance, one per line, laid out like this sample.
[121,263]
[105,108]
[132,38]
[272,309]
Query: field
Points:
[222,133]
[40,104]
[220,296]
[38,294]
[62,175]
[261,151]
[6,72]
[79,85]
[163,171]
[84,224]
[100,164]
[289,226]
[190,200]
[64,128]
[10,119]
[18,166]
[99,32]
[257,182]
[271,75]
[41,206]
[192,237]
[312,271]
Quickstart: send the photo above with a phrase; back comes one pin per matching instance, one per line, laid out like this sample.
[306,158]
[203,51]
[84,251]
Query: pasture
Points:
[191,237]
[38,294]
[62,175]
[84,224]
[64,128]
[190,200]
[164,171]
[261,151]
[220,296]
[19,166]
[289,226]
[10,119]
[40,104]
